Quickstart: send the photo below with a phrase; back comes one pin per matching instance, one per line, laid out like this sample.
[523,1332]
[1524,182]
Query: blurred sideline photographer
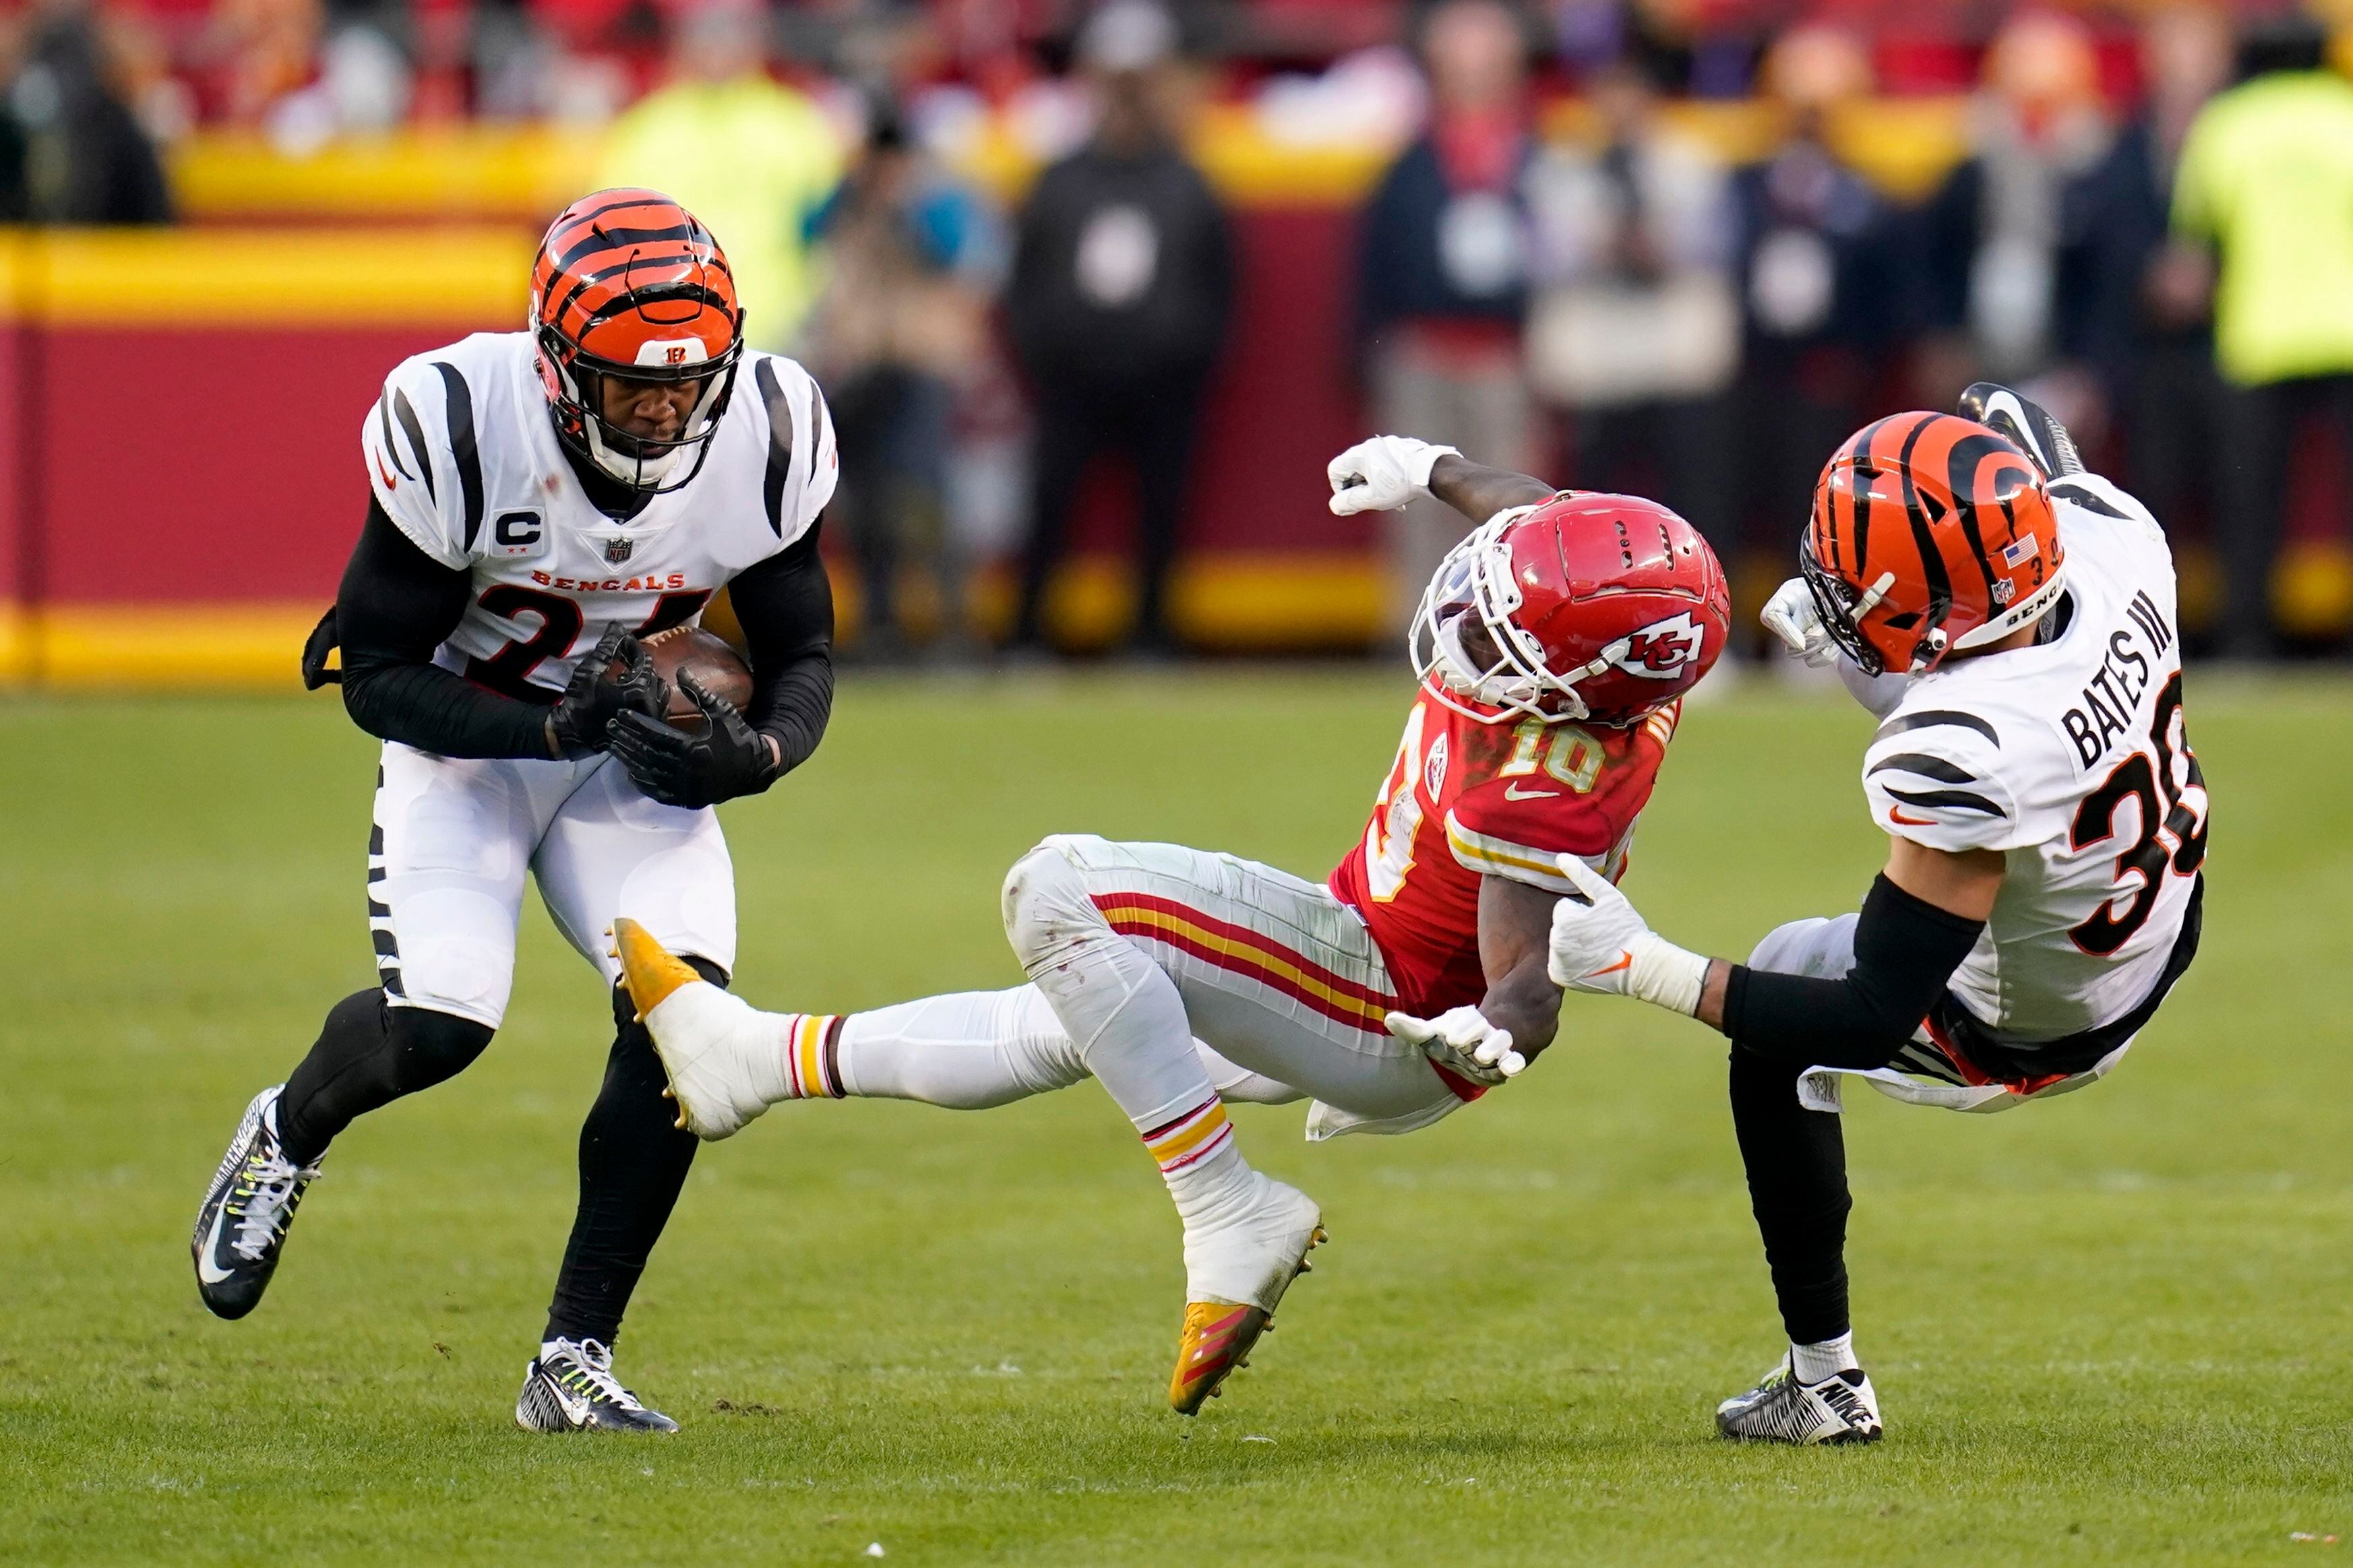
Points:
[1637,331]
[1821,266]
[753,158]
[1990,235]
[72,150]
[901,329]
[1442,277]
[2133,308]
[2265,184]
[1122,287]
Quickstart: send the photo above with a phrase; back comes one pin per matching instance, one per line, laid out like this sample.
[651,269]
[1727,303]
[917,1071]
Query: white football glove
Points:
[1461,1041]
[1790,616]
[1604,947]
[1382,474]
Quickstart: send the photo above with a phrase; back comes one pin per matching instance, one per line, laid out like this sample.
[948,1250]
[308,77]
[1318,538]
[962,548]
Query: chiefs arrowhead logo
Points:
[1660,650]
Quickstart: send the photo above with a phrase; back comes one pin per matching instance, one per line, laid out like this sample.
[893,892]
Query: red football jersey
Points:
[1466,800]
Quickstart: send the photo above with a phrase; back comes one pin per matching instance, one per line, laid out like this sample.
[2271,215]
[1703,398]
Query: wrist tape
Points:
[1666,975]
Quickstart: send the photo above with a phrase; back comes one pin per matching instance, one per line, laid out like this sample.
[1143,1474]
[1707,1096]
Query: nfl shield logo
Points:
[617,549]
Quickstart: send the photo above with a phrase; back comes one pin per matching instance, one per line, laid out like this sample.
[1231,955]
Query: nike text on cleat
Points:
[241,1224]
[570,1387]
[1239,1271]
[715,1049]
[1842,1408]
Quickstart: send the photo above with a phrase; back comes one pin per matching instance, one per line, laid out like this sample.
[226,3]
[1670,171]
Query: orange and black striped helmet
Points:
[629,284]
[1930,532]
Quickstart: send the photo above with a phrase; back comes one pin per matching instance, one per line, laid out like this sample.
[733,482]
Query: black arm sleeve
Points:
[396,606]
[785,605]
[1905,949]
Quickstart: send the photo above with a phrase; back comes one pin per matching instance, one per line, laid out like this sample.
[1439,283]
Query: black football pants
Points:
[1797,1187]
[633,1156]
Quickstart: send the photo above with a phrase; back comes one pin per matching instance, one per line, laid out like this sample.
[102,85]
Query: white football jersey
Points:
[463,458]
[2071,758]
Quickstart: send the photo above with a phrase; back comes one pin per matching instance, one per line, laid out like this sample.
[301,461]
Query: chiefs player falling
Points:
[1552,646]
[540,500]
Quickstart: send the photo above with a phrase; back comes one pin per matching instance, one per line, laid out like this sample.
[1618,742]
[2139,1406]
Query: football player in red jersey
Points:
[1552,646]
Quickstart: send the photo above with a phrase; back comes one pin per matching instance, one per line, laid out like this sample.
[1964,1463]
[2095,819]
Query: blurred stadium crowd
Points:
[1674,247]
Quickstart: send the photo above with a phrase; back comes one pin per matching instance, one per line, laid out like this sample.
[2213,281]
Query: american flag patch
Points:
[2017,556]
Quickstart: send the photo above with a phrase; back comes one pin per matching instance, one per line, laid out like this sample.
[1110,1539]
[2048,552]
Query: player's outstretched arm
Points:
[1390,471]
[1920,919]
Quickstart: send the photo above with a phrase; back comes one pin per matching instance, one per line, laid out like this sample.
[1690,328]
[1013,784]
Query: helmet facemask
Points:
[1841,607]
[1468,650]
[647,464]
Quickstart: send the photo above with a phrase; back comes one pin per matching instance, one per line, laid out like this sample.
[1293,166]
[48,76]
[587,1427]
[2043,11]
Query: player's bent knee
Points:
[433,1047]
[1046,906]
[1800,947]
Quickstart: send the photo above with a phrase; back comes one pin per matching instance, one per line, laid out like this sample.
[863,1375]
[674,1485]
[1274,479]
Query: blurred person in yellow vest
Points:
[754,160]
[2265,189]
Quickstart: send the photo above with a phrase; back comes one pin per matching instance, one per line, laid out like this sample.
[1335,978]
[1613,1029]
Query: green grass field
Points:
[2110,1329]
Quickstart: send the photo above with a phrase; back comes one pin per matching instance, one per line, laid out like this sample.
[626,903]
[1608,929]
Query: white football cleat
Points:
[1842,1408]
[717,1048]
[1236,1271]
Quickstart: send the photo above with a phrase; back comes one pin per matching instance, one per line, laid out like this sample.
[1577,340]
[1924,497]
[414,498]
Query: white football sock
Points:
[1812,1364]
[966,1051]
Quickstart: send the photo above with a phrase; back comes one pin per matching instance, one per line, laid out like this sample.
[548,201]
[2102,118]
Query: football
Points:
[716,668]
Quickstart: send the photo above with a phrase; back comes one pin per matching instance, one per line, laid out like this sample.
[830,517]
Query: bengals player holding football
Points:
[540,502]
[2009,618]
[1552,648]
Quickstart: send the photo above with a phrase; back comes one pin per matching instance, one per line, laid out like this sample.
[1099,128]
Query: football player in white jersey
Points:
[2011,620]
[542,500]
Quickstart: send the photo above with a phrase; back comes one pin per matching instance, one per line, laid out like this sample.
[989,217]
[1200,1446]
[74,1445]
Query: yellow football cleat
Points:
[649,970]
[1216,1341]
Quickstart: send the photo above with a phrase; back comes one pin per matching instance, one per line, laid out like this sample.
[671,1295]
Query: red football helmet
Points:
[629,285]
[1591,606]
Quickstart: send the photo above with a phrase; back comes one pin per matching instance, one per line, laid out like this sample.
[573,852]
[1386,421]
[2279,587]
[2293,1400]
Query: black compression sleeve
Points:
[396,606]
[785,605]
[1905,949]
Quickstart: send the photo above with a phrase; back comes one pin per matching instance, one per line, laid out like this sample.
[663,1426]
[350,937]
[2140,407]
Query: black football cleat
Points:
[571,1388]
[241,1227]
[2026,424]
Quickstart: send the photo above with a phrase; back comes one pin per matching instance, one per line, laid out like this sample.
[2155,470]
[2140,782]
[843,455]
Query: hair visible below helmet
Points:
[630,284]
[1599,607]
[1930,532]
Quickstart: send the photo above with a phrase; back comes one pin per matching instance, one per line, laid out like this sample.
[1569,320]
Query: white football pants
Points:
[454,837]
[1281,989]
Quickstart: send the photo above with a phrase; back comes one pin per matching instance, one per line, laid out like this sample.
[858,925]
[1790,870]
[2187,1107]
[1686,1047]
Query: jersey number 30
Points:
[2172,829]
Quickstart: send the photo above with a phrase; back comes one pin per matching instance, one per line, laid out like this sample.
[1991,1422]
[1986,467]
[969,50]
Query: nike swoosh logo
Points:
[1896,813]
[209,1272]
[1625,961]
[385,473]
[1514,792]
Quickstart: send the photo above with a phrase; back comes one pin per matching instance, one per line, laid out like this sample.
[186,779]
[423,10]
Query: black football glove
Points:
[584,715]
[728,759]
[315,649]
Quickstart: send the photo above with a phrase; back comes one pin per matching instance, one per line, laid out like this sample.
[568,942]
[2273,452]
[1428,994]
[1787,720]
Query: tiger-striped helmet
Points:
[1930,534]
[629,285]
